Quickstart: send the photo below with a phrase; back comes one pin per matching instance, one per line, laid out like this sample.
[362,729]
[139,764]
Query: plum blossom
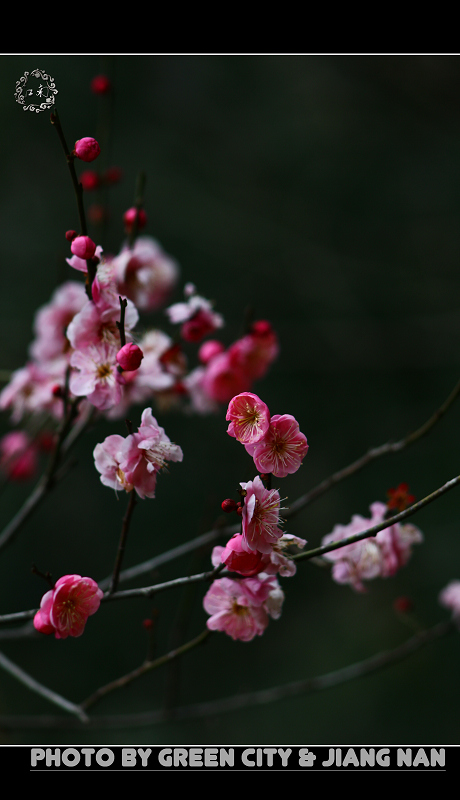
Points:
[282,449]
[65,609]
[18,456]
[450,598]
[260,516]
[96,376]
[249,563]
[378,556]
[52,319]
[135,461]
[249,419]
[87,149]
[145,274]
[196,315]
[242,608]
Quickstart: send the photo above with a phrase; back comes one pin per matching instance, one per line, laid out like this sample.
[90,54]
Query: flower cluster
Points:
[135,461]
[65,609]
[242,607]
[377,556]
[276,443]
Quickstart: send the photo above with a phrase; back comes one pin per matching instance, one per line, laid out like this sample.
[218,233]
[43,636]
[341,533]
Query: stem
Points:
[139,203]
[78,189]
[38,688]
[408,512]
[122,543]
[147,666]
[371,455]
[66,438]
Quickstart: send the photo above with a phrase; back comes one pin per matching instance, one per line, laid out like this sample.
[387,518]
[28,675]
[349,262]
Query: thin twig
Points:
[147,666]
[242,701]
[122,543]
[372,455]
[38,688]
[387,523]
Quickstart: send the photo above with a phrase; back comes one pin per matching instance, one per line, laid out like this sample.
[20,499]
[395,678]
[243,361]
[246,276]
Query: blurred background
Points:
[324,192]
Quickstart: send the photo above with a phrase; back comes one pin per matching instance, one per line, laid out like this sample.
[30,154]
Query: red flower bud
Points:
[100,84]
[70,235]
[130,356]
[86,149]
[129,219]
[89,180]
[228,505]
[83,247]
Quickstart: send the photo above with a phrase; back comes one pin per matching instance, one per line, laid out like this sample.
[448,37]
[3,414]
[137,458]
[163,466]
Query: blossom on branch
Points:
[282,449]
[135,461]
[376,556]
[65,609]
[249,419]
[260,516]
[242,608]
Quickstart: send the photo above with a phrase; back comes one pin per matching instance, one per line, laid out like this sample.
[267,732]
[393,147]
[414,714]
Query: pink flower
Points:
[450,598]
[254,353]
[107,459]
[65,609]
[96,376]
[130,356]
[18,456]
[249,419]
[237,559]
[145,274]
[260,516]
[130,216]
[196,314]
[282,449]
[52,319]
[209,350]
[377,556]
[241,608]
[83,247]
[221,380]
[135,462]
[87,149]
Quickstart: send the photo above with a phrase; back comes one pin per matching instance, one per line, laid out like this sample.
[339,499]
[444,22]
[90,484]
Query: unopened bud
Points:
[130,356]
[89,180]
[100,84]
[83,247]
[130,216]
[87,149]
[70,235]
[228,505]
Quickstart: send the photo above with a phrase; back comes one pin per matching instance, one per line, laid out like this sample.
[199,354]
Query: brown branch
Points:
[147,666]
[372,455]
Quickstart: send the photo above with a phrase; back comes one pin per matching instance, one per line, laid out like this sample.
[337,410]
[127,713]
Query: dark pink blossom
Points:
[249,419]
[65,609]
[261,516]
[130,356]
[18,456]
[282,448]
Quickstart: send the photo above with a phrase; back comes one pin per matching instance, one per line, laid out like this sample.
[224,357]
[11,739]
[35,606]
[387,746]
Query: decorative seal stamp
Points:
[35,85]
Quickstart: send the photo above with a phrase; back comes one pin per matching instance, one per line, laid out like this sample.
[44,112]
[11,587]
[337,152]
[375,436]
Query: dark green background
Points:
[323,191]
